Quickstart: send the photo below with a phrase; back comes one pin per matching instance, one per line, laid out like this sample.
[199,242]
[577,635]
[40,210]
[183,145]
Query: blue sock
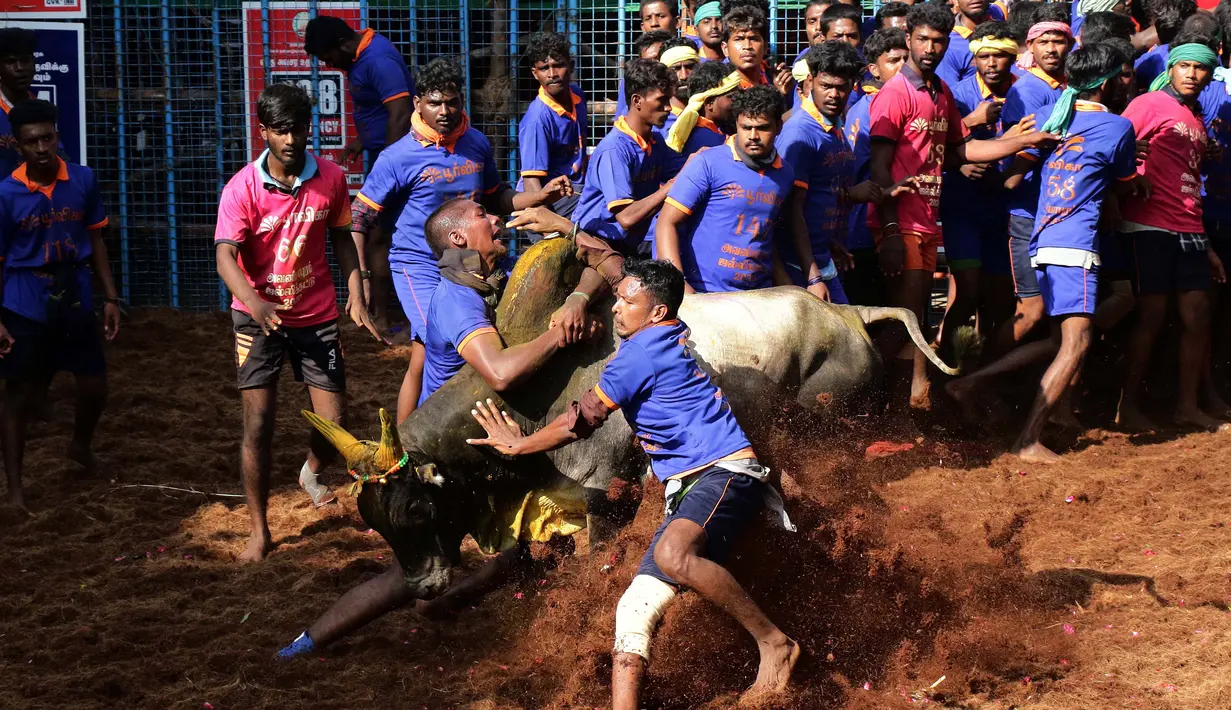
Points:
[301,645]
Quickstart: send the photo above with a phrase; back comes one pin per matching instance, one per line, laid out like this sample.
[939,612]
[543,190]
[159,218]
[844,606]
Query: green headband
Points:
[1191,52]
[1062,113]
[706,11]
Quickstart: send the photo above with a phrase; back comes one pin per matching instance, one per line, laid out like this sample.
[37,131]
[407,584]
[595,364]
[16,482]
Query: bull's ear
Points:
[390,451]
[427,474]
[351,448]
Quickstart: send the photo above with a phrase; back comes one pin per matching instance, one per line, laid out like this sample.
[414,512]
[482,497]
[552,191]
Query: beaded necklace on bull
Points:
[368,461]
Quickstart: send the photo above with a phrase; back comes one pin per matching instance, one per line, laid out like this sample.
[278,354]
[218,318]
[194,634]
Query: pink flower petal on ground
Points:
[188,557]
[1068,499]
[162,548]
[207,706]
[867,685]
[519,595]
[1134,633]
[504,668]
[1148,553]
[1068,629]
[881,449]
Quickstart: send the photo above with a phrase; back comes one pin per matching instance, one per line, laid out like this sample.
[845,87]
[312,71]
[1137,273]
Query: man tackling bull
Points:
[714,484]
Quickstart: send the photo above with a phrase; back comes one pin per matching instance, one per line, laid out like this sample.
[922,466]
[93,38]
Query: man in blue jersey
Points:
[51,243]
[551,138]
[885,53]
[706,120]
[441,158]
[17,45]
[958,64]
[381,89]
[1048,46]
[680,56]
[1167,17]
[461,327]
[714,484]
[972,205]
[892,15]
[717,226]
[1216,110]
[624,188]
[649,46]
[1097,151]
[815,145]
[708,23]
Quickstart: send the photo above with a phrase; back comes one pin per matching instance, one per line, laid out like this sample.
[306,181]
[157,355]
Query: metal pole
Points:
[465,28]
[561,19]
[773,29]
[573,21]
[122,136]
[364,23]
[265,38]
[219,158]
[514,60]
[169,161]
[621,34]
[316,91]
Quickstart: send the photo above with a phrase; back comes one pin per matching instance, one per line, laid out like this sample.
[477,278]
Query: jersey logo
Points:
[1190,134]
[269,223]
[919,125]
[1071,145]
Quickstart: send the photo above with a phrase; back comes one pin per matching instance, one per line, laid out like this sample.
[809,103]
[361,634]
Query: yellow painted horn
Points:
[390,452]
[351,448]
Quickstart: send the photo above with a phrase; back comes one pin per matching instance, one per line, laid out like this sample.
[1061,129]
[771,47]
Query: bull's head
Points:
[400,498]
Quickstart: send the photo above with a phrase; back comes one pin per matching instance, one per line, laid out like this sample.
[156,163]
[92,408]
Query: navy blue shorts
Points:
[1163,267]
[1025,282]
[75,345]
[720,501]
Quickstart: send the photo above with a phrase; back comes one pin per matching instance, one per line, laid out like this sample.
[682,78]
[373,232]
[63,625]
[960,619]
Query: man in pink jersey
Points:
[1167,233]
[273,219]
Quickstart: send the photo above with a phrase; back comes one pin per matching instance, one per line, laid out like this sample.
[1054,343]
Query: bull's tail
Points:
[873,314]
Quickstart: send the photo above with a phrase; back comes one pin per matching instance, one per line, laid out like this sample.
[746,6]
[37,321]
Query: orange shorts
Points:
[920,249]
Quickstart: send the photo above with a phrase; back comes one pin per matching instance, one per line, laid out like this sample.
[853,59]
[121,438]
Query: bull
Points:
[424,489]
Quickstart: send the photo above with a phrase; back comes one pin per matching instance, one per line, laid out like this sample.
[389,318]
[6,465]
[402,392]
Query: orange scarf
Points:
[427,134]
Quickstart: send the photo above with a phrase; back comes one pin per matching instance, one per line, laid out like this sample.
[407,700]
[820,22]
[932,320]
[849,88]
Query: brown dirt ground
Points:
[1100,582]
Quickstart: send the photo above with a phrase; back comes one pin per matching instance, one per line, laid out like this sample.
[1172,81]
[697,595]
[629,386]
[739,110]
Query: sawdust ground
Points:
[1099,582]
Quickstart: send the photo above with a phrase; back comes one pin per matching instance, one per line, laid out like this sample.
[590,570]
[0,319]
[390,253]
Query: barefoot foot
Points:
[1036,453]
[257,549]
[778,660]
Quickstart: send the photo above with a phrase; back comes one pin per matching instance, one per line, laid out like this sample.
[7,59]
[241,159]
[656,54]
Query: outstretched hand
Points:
[539,219]
[503,434]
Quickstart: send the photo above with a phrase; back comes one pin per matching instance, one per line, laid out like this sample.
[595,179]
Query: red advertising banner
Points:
[38,9]
[288,64]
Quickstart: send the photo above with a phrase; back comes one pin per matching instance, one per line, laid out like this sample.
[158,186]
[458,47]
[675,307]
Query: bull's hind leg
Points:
[370,600]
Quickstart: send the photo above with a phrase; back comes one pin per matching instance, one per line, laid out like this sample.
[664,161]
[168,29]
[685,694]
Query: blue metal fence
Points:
[167,115]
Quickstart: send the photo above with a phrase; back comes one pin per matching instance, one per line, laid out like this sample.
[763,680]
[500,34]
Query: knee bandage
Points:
[638,612]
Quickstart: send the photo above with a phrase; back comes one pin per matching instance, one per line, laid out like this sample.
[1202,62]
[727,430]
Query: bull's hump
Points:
[542,278]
